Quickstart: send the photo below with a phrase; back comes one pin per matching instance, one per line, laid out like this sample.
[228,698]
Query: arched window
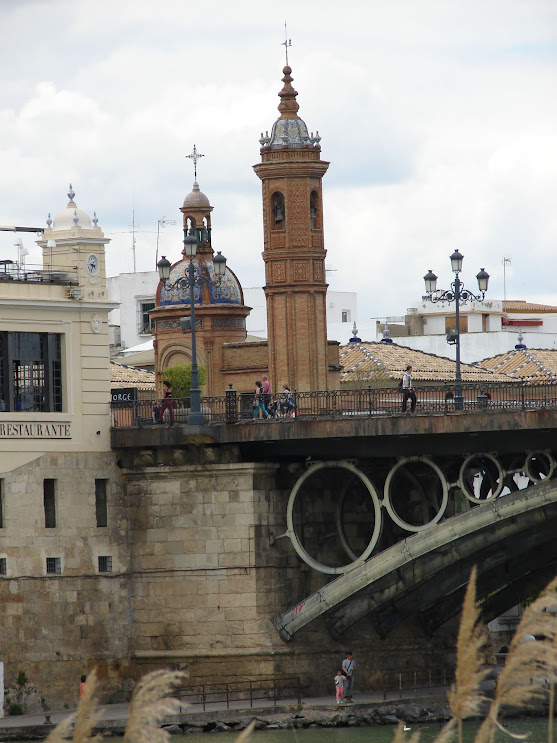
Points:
[277,209]
[313,206]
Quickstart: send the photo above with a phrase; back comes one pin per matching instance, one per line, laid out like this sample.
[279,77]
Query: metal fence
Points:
[235,407]
[271,690]
[414,681]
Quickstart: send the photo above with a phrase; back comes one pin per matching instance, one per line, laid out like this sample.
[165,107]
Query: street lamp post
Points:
[192,279]
[457,294]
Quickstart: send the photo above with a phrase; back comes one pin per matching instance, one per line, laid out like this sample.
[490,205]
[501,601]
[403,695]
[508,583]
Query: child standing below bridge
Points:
[339,683]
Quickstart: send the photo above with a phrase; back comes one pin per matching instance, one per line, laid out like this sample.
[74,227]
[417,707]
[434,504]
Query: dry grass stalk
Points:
[245,734]
[447,734]
[529,664]
[465,697]
[85,720]
[150,703]
[401,737]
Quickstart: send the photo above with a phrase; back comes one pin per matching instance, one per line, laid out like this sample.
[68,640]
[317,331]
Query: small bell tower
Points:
[291,172]
[73,243]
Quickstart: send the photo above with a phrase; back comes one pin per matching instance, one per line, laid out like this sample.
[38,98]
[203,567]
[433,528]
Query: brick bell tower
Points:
[291,171]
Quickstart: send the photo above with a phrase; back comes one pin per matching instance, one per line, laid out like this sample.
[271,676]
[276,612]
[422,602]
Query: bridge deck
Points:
[395,435]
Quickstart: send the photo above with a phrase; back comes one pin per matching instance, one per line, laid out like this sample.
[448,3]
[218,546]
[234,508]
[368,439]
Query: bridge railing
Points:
[237,407]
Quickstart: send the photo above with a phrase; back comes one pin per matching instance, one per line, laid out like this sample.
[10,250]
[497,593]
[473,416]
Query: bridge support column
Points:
[201,592]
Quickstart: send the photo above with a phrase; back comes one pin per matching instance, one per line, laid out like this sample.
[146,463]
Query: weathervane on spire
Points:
[195,155]
[286,43]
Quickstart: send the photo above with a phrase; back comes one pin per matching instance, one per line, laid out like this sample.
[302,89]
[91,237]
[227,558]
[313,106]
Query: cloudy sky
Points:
[439,119]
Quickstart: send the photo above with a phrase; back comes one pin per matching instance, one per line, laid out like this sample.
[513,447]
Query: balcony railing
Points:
[237,407]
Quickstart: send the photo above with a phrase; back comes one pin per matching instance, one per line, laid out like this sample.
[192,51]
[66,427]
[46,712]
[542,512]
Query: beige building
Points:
[60,488]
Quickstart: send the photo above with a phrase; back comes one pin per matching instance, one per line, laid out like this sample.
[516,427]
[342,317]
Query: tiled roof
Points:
[520,305]
[128,376]
[364,362]
[529,364]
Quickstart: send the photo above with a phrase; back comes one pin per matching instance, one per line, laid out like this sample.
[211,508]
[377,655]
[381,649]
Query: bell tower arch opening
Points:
[277,211]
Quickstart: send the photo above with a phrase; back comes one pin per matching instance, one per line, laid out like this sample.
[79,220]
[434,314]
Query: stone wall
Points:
[55,626]
[199,568]
[195,531]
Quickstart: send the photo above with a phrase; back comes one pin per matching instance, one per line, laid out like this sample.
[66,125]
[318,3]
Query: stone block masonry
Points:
[199,555]
[54,627]
[198,572]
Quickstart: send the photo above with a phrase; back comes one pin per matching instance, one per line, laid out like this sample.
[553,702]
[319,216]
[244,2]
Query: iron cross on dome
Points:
[195,155]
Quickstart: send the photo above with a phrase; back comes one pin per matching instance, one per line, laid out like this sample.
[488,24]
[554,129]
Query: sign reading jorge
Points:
[34,430]
[124,394]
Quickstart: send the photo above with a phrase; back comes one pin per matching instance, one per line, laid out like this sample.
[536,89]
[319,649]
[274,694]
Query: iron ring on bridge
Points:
[293,536]
[419,480]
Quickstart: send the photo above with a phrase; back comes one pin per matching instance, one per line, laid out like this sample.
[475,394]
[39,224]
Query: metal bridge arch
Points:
[521,523]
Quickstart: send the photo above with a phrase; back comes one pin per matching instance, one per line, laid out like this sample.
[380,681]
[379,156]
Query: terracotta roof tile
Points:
[129,376]
[363,362]
[529,364]
[520,305]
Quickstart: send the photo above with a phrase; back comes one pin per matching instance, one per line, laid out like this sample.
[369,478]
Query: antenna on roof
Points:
[505,261]
[162,222]
[286,43]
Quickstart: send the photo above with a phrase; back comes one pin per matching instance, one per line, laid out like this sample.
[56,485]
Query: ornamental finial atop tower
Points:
[289,130]
[288,105]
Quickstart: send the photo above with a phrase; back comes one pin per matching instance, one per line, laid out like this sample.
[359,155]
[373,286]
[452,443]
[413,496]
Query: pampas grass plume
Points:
[84,721]
[150,703]
[465,697]
[528,664]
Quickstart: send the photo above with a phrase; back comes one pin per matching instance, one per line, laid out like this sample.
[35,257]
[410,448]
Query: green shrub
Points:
[15,708]
[179,377]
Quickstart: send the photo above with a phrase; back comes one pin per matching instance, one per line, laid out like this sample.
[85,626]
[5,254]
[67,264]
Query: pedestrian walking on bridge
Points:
[407,391]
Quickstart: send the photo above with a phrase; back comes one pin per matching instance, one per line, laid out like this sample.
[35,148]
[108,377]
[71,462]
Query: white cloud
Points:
[438,120]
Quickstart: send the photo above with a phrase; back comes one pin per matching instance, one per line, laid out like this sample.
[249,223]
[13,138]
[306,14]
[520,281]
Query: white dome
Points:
[65,219]
[71,216]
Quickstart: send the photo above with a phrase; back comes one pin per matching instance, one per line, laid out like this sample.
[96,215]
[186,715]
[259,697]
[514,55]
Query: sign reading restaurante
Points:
[34,430]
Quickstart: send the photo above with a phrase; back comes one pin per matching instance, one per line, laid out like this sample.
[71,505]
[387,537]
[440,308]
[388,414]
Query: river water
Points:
[537,730]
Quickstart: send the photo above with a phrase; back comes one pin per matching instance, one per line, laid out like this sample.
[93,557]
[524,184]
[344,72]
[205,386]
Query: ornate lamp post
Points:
[192,279]
[459,295]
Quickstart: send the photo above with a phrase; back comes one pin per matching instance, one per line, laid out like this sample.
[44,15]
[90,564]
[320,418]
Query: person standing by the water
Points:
[348,666]
[82,686]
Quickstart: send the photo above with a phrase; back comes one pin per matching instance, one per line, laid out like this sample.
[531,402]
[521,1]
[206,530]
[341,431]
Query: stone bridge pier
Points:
[272,549]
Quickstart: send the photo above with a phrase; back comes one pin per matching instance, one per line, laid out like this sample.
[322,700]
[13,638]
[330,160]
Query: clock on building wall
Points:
[93,264]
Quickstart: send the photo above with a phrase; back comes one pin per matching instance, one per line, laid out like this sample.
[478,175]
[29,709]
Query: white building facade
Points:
[486,328]
[135,293]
